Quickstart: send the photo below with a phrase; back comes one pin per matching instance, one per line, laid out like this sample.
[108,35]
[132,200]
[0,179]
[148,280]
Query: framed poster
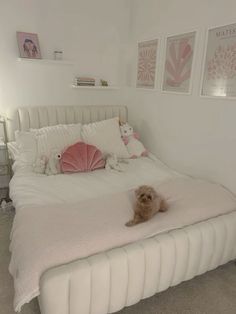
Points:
[146,68]
[219,74]
[178,63]
[28,44]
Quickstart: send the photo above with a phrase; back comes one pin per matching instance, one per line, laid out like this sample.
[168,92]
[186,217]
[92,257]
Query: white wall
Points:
[93,34]
[192,134]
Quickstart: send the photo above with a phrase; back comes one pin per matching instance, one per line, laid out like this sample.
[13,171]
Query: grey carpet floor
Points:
[211,293]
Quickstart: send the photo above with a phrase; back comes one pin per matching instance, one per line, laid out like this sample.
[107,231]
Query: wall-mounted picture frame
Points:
[28,44]
[147,64]
[219,71]
[178,64]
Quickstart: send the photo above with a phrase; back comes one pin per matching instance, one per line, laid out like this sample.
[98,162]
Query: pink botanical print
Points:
[223,63]
[178,65]
[147,53]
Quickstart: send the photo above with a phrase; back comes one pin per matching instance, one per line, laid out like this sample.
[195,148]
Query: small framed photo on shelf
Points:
[28,44]
[178,64]
[219,74]
[146,67]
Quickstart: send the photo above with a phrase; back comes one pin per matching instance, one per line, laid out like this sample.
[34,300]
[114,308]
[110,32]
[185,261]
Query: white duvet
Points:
[29,188]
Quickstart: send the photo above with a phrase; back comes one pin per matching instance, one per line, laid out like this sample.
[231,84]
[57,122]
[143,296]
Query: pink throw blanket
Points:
[46,237]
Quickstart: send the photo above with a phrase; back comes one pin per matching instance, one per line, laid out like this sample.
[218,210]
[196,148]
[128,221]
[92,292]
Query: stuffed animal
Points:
[112,163]
[53,164]
[131,140]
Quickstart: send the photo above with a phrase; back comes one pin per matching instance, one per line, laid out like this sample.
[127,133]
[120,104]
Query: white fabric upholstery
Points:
[106,136]
[56,138]
[107,282]
[37,117]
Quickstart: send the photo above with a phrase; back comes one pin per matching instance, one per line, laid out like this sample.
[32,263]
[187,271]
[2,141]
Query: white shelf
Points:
[96,87]
[45,61]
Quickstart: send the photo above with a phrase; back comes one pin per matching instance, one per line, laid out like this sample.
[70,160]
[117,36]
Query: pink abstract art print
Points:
[28,44]
[219,77]
[178,64]
[147,55]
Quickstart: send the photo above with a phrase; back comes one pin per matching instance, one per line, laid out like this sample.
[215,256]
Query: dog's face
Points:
[145,194]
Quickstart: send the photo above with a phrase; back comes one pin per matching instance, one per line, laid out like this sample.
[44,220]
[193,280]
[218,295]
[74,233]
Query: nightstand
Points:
[4,172]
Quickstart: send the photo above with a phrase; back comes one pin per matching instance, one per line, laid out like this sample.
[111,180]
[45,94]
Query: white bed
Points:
[108,281]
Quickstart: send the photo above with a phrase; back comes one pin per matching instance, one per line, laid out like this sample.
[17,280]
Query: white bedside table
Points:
[4,172]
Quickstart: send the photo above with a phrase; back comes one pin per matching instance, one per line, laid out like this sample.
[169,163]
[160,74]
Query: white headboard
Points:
[37,117]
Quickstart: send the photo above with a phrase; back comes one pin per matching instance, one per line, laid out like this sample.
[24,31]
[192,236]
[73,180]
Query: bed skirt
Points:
[109,281]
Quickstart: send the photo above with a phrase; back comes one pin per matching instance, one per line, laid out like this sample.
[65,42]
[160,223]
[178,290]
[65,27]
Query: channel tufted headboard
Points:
[37,117]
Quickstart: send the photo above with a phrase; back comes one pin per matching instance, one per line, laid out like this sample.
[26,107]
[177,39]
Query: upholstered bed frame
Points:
[109,281]
[37,117]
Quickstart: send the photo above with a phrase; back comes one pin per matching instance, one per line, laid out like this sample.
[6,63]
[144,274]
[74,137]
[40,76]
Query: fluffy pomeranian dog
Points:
[148,203]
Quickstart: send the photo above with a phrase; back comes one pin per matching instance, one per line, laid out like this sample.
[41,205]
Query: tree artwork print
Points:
[219,77]
[147,55]
[178,64]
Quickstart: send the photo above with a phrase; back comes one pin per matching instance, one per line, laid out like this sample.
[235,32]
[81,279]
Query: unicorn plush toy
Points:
[131,140]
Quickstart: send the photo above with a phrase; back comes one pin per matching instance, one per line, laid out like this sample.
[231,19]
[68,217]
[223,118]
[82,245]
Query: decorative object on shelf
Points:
[219,76]
[103,83]
[58,55]
[146,69]
[28,44]
[84,81]
[96,87]
[178,63]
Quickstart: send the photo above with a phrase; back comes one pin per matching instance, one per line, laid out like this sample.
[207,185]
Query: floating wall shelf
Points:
[45,61]
[96,87]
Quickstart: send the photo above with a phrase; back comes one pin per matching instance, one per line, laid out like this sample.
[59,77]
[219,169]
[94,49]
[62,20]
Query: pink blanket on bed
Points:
[43,238]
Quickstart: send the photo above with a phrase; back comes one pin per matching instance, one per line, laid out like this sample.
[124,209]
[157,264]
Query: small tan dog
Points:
[148,203]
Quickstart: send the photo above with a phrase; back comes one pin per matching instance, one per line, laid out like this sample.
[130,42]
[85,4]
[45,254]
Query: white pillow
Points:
[27,147]
[56,138]
[13,150]
[105,135]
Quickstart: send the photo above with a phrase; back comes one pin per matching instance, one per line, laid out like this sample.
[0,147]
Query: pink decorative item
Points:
[131,140]
[147,55]
[178,65]
[81,157]
[222,65]
[219,76]
[28,45]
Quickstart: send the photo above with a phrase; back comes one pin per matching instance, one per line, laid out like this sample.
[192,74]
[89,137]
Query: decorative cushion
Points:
[81,157]
[105,135]
[56,138]
[27,147]
[13,150]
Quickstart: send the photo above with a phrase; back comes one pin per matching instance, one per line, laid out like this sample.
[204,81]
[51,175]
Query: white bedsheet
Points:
[29,188]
